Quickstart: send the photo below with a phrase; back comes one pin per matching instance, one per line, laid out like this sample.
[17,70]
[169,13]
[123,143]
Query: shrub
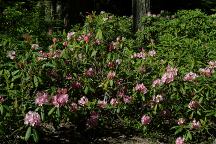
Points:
[100,75]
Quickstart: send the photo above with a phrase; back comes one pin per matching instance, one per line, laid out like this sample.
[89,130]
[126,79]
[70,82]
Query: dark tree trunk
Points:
[140,8]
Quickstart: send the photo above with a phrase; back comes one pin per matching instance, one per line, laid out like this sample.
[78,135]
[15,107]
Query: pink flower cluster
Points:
[212,64]
[127,99]
[89,72]
[93,120]
[73,107]
[111,75]
[157,82]
[42,98]
[32,119]
[190,76]
[152,53]
[145,120]
[206,71]
[179,140]
[193,105]
[181,121]
[102,104]
[51,54]
[70,35]
[140,55]
[1,99]
[141,88]
[167,77]
[83,101]
[114,102]
[195,124]
[11,54]
[61,98]
[157,98]
[34,46]
[76,85]
[84,37]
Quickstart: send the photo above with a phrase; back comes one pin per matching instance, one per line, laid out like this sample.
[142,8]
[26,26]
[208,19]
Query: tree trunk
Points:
[139,8]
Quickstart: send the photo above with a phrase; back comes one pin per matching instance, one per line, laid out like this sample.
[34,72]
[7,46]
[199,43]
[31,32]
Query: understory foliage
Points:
[102,75]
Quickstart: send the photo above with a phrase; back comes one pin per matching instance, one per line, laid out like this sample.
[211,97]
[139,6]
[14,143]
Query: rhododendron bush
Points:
[100,75]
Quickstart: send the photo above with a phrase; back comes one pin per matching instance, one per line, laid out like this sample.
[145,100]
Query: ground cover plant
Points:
[158,82]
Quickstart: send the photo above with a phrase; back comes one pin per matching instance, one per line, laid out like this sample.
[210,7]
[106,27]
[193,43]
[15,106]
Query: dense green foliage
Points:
[101,75]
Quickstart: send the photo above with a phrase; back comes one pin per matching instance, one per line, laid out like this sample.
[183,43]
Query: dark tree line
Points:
[74,11]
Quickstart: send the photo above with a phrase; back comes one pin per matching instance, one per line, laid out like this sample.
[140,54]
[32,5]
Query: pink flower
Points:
[195,124]
[69,35]
[111,75]
[73,107]
[86,39]
[89,72]
[113,102]
[206,71]
[65,44]
[42,98]
[34,46]
[32,119]
[167,78]
[156,82]
[145,120]
[169,69]
[193,105]
[93,120]
[60,100]
[62,91]
[190,76]
[141,88]
[68,77]
[118,61]
[140,55]
[152,53]
[127,99]
[111,64]
[181,121]
[76,85]
[97,42]
[83,101]
[212,64]
[102,104]
[169,75]
[179,140]
[1,99]
[121,93]
[11,54]
[158,98]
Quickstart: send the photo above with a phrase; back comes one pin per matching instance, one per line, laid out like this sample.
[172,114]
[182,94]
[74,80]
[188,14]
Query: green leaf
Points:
[189,136]
[48,65]
[51,111]
[178,130]
[35,136]
[111,83]
[42,115]
[198,112]
[35,81]
[28,134]
[86,90]
[94,53]
[58,112]
[99,34]
[1,109]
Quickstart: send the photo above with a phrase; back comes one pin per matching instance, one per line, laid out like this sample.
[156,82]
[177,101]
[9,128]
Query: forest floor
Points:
[112,136]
